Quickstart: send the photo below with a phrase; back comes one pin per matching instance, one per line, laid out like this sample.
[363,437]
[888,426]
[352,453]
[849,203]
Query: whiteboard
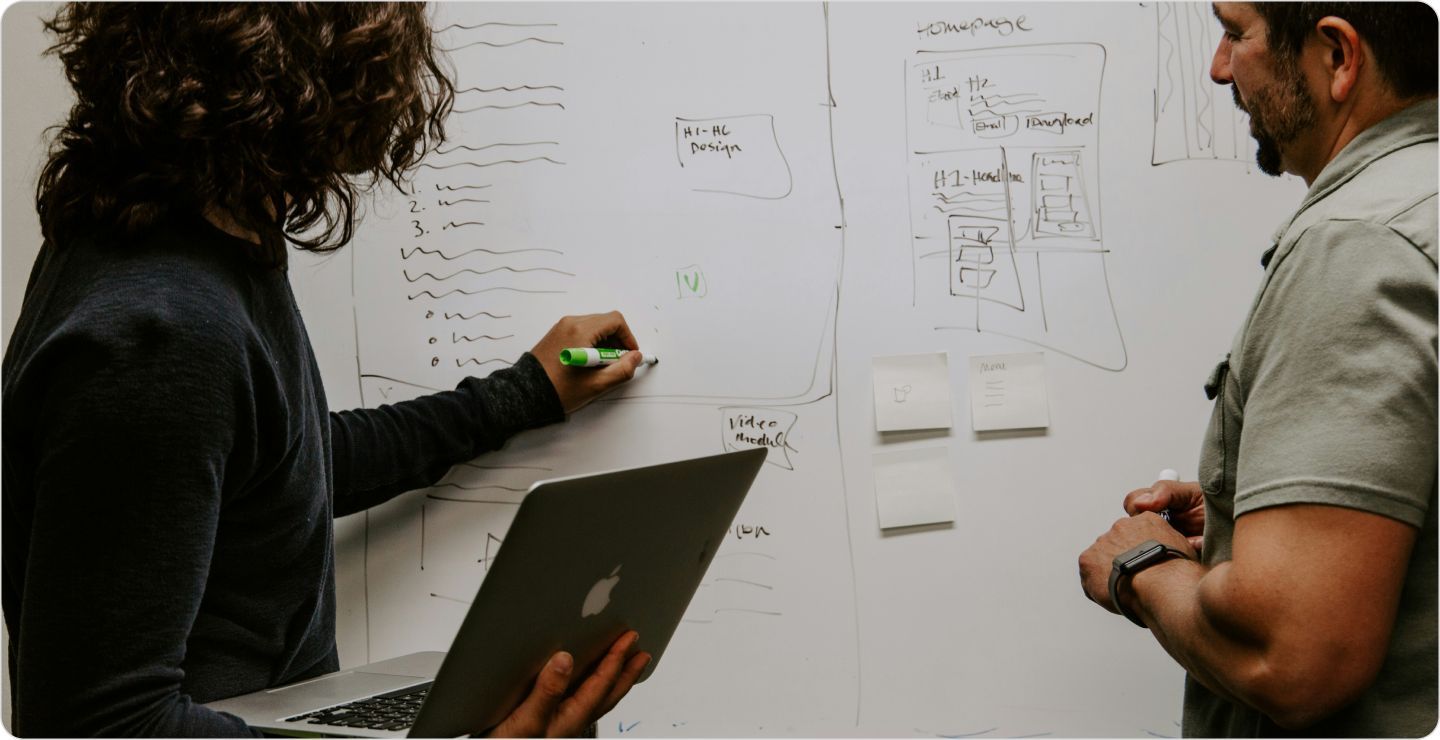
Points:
[774,195]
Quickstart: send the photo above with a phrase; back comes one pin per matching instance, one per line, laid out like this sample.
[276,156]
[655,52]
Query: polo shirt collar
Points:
[1413,125]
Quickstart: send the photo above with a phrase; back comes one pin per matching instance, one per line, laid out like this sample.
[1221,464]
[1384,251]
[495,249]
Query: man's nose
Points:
[1220,63]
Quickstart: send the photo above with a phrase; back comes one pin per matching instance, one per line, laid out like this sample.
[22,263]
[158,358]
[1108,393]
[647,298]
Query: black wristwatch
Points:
[1133,561]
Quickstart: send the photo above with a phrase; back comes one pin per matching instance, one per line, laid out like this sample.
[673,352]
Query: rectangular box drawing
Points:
[1004,150]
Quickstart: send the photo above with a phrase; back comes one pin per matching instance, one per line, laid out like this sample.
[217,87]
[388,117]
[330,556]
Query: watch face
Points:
[1139,555]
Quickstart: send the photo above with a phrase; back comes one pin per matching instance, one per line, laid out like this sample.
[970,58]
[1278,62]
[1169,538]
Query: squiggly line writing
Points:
[469,148]
[407,255]
[464,27]
[458,338]
[536,103]
[463,317]
[505,268]
[478,292]
[493,45]
[481,363]
[509,89]
[487,164]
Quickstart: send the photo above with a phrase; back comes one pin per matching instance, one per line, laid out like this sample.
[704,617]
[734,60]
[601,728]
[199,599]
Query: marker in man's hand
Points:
[596,356]
[1167,474]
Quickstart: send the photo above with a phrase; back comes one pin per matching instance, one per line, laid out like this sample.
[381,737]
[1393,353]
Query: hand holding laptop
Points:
[551,710]
[544,615]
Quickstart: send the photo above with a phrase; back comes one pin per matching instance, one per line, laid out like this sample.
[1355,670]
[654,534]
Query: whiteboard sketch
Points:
[696,195]
[1194,118]
[502,232]
[1004,191]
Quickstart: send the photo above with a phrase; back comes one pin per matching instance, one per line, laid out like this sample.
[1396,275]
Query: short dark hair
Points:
[266,111]
[1402,36]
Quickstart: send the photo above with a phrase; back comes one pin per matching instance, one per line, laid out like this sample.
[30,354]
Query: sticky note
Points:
[912,392]
[913,487]
[1008,392]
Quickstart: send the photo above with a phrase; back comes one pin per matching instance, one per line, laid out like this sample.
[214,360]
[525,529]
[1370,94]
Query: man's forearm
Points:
[1234,642]
[1167,599]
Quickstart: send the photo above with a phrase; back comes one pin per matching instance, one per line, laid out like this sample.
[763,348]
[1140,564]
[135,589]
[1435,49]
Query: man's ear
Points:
[1342,53]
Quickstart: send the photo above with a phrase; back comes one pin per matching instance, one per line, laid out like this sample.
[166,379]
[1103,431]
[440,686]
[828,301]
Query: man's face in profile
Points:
[1265,85]
[1280,110]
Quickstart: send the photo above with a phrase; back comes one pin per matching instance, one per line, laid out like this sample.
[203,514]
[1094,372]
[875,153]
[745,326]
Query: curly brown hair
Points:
[277,115]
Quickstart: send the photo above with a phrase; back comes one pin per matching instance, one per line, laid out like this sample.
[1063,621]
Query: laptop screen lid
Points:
[586,559]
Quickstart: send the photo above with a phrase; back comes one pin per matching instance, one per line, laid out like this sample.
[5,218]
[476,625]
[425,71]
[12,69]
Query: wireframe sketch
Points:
[1194,117]
[622,158]
[572,186]
[1004,193]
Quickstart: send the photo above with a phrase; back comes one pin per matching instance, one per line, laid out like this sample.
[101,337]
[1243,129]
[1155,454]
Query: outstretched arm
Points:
[382,452]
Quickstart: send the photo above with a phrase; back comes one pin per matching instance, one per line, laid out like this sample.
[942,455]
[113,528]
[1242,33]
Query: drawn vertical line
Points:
[1202,82]
[678,158]
[1010,238]
[1109,296]
[835,362]
[909,186]
[1040,292]
[1097,219]
[1186,63]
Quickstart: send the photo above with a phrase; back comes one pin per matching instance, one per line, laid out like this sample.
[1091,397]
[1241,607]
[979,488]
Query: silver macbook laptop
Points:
[563,580]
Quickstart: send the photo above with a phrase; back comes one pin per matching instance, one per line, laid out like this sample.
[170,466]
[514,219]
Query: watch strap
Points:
[1132,561]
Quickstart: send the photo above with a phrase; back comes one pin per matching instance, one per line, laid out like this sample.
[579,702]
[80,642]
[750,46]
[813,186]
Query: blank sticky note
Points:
[913,487]
[912,392]
[1008,392]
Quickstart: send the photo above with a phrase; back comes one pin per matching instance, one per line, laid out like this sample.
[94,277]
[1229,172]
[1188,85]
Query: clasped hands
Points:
[1184,502]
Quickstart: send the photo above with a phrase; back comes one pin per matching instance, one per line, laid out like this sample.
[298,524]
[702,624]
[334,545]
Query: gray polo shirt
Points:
[1328,396]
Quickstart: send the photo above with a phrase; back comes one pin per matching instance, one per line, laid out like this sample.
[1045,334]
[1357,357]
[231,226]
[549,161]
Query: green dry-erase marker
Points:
[592,356]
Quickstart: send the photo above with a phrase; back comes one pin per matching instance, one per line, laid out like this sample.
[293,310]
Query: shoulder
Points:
[1350,272]
[1347,286]
[1396,192]
[169,296]
[172,284]
[1376,226]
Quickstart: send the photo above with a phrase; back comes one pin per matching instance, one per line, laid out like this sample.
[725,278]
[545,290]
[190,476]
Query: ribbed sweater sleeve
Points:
[127,499]
[382,452]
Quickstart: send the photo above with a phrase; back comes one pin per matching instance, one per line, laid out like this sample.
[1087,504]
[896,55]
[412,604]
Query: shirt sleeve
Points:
[379,453]
[132,449]
[1340,401]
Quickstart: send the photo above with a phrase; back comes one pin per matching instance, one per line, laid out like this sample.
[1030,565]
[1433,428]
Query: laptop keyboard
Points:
[395,710]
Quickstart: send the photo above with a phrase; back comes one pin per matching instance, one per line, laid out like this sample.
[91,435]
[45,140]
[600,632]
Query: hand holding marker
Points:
[1167,474]
[596,356]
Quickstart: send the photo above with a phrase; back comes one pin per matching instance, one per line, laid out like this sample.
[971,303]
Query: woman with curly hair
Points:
[171,469]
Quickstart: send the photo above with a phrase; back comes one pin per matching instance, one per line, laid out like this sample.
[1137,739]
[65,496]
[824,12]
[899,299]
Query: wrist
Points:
[1137,588]
[1134,563]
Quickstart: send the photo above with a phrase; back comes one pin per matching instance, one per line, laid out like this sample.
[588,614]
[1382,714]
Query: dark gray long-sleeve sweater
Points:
[171,473]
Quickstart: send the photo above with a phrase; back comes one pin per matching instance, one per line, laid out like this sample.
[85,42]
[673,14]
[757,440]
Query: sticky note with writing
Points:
[1008,392]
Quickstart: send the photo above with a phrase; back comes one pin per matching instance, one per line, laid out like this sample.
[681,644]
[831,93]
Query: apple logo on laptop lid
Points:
[599,596]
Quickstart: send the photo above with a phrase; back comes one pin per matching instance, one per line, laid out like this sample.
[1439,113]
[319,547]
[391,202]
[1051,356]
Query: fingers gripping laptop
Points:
[562,581]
